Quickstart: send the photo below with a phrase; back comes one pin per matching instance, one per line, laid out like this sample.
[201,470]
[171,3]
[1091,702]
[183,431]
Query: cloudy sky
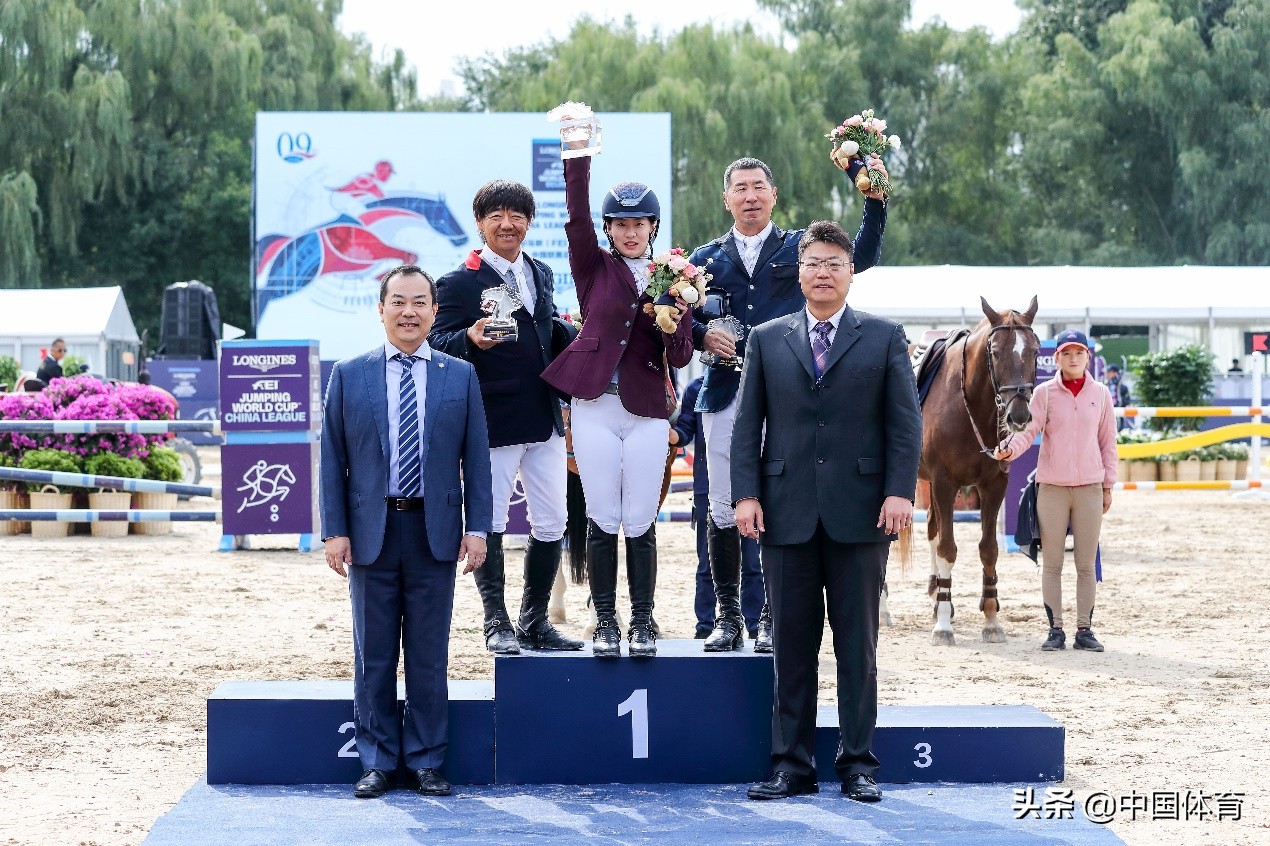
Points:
[435,34]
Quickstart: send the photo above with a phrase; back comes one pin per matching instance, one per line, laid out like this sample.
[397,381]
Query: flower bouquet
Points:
[854,141]
[671,275]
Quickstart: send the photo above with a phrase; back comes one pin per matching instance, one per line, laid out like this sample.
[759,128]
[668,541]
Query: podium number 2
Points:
[348,750]
[637,706]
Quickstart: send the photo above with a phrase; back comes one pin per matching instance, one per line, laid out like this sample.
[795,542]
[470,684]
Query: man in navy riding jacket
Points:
[755,270]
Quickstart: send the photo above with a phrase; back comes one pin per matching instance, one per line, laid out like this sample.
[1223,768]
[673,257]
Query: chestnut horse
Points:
[979,396]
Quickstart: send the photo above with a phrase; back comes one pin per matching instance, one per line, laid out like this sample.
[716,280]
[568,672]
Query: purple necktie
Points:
[820,346]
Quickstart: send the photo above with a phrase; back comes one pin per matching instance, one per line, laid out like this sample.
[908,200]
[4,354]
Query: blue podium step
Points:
[301,732]
[684,717]
[954,743]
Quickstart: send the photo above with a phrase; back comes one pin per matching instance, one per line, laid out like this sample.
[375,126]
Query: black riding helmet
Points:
[631,199]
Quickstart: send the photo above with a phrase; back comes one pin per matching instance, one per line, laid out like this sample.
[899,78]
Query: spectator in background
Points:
[686,429]
[1119,393]
[52,367]
[1235,369]
[1075,474]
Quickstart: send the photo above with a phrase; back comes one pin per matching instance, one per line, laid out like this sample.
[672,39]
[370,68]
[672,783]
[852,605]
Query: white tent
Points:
[1068,295]
[95,323]
[1189,304]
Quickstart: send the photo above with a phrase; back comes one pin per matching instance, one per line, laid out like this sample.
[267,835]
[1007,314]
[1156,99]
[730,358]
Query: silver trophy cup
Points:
[579,129]
[734,329]
[499,303]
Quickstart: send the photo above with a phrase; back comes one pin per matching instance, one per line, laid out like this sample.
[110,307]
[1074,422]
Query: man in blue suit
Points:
[755,269]
[403,424]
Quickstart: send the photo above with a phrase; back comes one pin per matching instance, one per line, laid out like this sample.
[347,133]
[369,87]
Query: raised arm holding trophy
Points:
[616,372]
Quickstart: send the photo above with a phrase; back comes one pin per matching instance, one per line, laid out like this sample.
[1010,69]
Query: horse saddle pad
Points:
[930,362]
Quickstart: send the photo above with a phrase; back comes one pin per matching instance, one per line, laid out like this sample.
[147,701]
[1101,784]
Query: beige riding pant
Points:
[1057,507]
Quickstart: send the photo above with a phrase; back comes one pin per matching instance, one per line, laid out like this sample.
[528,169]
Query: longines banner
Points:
[341,197]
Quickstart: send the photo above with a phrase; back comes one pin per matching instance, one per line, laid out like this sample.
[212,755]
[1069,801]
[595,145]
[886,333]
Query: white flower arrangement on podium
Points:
[857,138]
[671,276]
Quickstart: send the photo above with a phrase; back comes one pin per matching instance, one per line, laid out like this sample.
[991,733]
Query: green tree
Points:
[125,132]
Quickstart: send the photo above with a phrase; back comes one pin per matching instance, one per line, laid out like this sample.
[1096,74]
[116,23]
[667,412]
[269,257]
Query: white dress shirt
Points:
[519,269]
[392,369]
[834,319]
[749,246]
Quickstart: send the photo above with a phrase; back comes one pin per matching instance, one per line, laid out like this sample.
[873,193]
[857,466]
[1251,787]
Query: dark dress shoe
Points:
[431,783]
[861,787]
[500,638]
[782,785]
[372,785]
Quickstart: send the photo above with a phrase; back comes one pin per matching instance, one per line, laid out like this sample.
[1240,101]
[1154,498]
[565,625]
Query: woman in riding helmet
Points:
[616,372]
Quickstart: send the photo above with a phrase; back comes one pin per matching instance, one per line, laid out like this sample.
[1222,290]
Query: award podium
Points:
[685,716]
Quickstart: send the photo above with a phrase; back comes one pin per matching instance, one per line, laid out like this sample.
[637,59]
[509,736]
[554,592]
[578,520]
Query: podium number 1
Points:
[637,706]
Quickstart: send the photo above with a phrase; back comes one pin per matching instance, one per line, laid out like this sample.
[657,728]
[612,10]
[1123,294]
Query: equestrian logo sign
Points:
[265,482]
[1256,342]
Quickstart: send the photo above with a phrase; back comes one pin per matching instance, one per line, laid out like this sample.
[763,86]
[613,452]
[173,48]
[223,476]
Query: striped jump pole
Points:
[1207,485]
[920,516]
[95,427]
[1190,411]
[91,515]
[84,480]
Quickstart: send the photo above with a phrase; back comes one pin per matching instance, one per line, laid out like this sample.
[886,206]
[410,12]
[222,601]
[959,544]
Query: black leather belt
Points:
[404,503]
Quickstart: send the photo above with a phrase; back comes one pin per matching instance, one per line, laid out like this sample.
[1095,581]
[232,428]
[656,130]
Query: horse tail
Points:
[575,528]
[904,546]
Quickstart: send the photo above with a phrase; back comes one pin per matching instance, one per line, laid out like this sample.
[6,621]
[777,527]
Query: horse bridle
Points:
[999,391]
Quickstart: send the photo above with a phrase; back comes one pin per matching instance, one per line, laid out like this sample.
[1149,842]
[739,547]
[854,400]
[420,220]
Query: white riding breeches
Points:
[544,473]
[622,459]
[717,428]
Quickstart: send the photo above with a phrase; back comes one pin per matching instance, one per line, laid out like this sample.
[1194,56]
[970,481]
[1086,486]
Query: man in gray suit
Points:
[825,488]
[402,424]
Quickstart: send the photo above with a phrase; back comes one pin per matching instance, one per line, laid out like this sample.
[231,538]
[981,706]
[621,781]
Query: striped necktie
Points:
[409,469]
[820,346]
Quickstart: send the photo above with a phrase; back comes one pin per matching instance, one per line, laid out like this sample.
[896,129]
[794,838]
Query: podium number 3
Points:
[348,750]
[923,755]
[637,706]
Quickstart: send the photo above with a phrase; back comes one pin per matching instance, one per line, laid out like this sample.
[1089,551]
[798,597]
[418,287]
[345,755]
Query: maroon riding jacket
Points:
[616,333]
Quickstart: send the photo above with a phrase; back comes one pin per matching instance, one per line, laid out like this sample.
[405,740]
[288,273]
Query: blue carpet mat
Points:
[940,815]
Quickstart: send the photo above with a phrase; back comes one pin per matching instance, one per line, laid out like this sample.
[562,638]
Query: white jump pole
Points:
[1254,457]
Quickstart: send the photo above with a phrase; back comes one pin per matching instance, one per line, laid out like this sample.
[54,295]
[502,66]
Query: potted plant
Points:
[10,373]
[164,465]
[48,497]
[1179,377]
[1239,452]
[12,495]
[1188,466]
[109,499]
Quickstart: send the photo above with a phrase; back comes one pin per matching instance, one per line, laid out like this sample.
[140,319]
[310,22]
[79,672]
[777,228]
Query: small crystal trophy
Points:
[733,328]
[578,124]
[499,303]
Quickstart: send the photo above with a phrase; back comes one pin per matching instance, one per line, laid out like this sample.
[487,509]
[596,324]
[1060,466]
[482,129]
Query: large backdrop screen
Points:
[341,197]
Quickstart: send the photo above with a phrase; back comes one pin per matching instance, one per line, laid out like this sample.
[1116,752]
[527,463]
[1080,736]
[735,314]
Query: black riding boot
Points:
[763,637]
[641,576]
[725,567]
[534,630]
[500,638]
[601,565]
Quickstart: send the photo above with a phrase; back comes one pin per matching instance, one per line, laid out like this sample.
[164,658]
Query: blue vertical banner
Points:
[271,414]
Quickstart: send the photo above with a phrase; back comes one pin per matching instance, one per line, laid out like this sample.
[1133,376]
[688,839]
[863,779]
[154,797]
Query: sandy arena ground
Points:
[112,646]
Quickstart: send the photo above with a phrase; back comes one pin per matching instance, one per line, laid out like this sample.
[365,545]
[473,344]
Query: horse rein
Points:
[998,390]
